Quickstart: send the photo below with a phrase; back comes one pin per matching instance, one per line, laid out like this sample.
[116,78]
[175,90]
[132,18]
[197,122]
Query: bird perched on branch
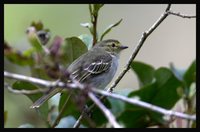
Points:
[96,67]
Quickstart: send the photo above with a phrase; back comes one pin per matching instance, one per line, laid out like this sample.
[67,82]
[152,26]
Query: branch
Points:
[61,112]
[146,105]
[78,122]
[139,45]
[106,112]
[74,85]
[180,15]
[77,85]
[110,117]
[94,29]
[33,80]
[26,92]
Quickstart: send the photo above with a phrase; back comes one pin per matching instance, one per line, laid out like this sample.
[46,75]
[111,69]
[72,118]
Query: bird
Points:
[96,67]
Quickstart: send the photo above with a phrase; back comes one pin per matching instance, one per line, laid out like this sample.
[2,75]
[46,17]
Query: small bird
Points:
[96,67]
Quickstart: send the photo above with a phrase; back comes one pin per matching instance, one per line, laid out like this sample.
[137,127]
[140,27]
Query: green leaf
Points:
[167,92]
[73,109]
[117,106]
[167,85]
[97,115]
[17,57]
[108,29]
[39,71]
[144,72]
[97,7]
[5,116]
[162,92]
[28,52]
[133,119]
[87,39]
[21,85]
[135,116]
[71,105]
[34,41]
[190,74]
[37,25]
[72,49]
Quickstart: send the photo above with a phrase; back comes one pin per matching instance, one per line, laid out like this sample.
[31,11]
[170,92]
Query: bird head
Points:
[112,46]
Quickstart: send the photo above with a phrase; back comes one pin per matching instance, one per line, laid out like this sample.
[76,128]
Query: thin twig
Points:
[146,105]
[139,45]
[85,115]
[73,85]
[77,85]
[26,92]
[78,122]
[106,112]
[180,15]
[95,29]
[110,117]
[33,80]
[61,112]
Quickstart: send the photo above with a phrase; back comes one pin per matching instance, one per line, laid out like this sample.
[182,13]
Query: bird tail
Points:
[45,97]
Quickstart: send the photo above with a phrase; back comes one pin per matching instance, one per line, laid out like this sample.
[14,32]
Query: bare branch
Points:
[146,105]
[23,91]
[78,122]
[139,45]
[77,85]
[33,80]
[73,85]
[107,113]
[58,118]
[180,15]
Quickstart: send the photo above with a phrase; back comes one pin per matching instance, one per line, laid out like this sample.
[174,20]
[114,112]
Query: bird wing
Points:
[98,66]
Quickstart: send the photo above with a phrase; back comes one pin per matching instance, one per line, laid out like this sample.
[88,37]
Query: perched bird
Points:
[96,67]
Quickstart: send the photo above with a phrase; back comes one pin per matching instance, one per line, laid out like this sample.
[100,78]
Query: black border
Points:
[105,2]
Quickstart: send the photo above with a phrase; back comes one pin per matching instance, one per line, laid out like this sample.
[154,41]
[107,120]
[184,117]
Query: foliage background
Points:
[173,41]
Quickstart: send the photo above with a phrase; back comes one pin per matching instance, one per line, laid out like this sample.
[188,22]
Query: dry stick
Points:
[94,29]
[106,112]
[73,85]
[180,15]
[23,91]
[61,112]
[33,80]
[110,117]
[146,105]
[105,93]
[137,48]
[139,45]
[78,122]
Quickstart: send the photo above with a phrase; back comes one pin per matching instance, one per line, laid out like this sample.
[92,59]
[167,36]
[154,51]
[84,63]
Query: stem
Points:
[77,85]
[94,22]
[138,47]
[61,112]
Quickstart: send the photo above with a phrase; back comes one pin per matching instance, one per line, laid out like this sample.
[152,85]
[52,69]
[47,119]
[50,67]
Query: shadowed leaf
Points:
[72,49]
[144,72]
[20,85]
[87,39]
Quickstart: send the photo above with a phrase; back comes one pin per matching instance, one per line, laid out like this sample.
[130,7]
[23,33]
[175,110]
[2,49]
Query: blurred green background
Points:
[173,41]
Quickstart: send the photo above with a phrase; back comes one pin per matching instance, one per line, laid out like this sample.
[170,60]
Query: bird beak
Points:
[123,47]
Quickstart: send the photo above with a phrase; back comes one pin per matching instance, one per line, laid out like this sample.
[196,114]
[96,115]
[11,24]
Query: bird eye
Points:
[113,44]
